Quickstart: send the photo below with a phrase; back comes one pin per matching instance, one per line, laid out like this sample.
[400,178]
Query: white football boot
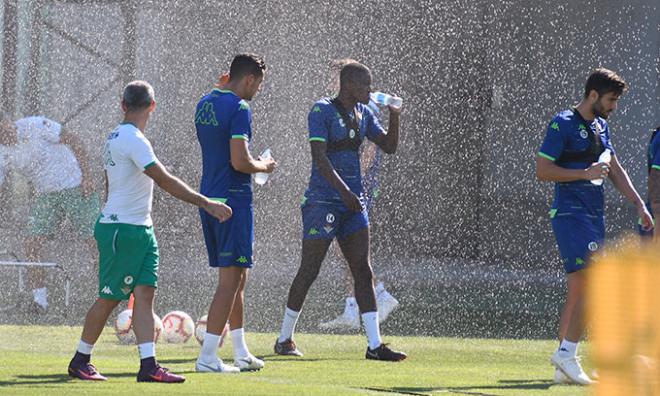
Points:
[571,368]
[249,363]
[349,319]
[385,301]
[215,367]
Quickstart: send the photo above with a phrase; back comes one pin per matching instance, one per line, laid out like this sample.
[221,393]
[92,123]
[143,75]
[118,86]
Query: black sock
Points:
[81,358]
[148,363]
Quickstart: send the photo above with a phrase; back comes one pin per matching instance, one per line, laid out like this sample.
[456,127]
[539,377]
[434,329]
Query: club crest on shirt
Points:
[351,133]
[583,134]
[593,246]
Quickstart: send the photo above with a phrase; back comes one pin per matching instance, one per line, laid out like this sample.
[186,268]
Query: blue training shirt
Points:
[654,152]
[567,132]
[326,125]
[221,116]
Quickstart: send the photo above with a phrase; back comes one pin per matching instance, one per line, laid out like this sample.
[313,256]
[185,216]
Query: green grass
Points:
[33,360]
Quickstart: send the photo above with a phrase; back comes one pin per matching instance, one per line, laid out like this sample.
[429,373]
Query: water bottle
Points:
[606,157]
[384,99]
[261,177]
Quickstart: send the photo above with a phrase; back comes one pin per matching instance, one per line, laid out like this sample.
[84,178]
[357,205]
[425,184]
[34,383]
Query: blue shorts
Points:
[327,220]
[578,237]
[642,233]
[229,243]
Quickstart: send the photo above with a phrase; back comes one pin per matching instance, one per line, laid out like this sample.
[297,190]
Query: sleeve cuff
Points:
[242,137]
[546,156]
[317,139]
[150,164]
[655,167]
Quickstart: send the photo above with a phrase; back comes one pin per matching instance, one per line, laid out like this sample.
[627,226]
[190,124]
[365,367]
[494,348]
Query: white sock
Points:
[208,353]
[568,348]
[288,324]
[41,296]
[147,350]
[380,287]
[85,348]
[370,321]
[238,341]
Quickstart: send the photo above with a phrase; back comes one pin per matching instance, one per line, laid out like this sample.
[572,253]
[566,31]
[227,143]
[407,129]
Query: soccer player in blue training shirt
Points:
[370,163]
[569,156]
[128,251]
[333,206]
[223,122]
[653,203]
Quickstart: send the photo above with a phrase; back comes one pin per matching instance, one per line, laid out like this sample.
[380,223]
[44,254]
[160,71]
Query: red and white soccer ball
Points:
[200,331]
[124,327]
[178,327]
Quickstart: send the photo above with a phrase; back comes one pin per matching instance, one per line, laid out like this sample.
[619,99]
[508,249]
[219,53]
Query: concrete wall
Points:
[480,81]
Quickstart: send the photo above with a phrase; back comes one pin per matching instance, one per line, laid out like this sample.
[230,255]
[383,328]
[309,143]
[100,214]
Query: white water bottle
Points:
[606,157]
[262,177]
[384,99]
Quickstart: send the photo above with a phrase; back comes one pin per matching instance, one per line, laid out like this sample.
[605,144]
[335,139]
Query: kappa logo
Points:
[106,290]
[593,246]
[128,280]
[330,218]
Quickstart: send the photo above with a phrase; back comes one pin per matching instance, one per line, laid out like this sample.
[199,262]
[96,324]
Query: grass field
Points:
[33,360]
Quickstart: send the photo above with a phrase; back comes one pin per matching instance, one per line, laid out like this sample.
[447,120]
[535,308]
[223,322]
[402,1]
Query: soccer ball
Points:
[124,327]
[200,331]
[178,327]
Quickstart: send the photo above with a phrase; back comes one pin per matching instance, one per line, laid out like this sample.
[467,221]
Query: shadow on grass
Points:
[478,390]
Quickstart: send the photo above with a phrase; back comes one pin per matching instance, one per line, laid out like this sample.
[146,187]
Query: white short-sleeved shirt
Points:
[127,154]
[40,156]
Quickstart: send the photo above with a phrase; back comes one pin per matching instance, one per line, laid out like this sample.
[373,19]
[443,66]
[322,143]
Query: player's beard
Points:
[599,110]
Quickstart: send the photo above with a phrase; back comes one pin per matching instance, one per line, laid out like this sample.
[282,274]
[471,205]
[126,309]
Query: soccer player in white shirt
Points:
[128,251]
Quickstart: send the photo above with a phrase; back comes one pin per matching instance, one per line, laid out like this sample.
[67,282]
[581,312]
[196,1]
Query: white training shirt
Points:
[127,153]
[40,156]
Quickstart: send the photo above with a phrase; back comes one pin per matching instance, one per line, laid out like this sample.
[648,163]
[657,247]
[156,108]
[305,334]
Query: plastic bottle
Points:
[606,157]
[261,177]
[384,99]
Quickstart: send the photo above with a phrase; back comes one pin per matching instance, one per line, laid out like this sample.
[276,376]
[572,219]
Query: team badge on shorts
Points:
[330,218]
[351,134]
[593,246]
[128,280]
[583,134]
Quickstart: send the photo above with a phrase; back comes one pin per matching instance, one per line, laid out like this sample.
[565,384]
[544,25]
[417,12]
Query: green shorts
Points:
[50,209]
[128,257]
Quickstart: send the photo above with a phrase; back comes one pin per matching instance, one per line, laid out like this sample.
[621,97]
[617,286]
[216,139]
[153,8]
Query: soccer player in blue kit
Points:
[653,203]
[333,205]
[223,122]
[574,140]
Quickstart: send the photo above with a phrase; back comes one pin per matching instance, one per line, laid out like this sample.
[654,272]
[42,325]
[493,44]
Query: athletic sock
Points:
[147,350]
[238,342]
[209,347]
[288,324]
[380,287]
[568,348]
[370,321]
[40,296]
[85,348]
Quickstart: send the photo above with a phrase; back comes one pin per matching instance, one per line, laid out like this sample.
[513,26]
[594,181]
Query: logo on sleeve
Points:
[555,126]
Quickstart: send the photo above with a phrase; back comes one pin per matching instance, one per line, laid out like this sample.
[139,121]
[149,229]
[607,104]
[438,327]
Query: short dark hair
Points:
[138,95]
[337,64]
[604,81]
[352,71]
[246,64]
